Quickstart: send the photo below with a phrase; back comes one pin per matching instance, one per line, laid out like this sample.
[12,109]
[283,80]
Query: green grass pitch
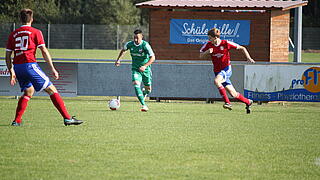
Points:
[173,140]
[113,54]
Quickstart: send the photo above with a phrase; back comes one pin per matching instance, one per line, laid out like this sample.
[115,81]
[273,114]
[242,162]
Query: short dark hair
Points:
[137,31]
[26,15]
[214,32]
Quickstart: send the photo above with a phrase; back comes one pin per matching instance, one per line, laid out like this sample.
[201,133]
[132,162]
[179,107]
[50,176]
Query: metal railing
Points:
[79,36]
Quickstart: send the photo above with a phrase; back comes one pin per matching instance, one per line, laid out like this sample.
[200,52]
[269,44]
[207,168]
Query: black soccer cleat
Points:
[72,121]
[14,123]
[248,107]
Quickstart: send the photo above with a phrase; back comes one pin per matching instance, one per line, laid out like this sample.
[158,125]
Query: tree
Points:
[44,11]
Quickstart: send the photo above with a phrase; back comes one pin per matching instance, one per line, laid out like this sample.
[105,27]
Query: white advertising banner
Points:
[282,83]
[66,84]
[3,69]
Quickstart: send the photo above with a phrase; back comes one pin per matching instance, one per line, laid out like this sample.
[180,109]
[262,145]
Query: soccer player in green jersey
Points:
[142,58]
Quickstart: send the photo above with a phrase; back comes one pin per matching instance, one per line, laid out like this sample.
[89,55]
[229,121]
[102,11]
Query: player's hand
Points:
[117,63]
[13,80]
[55,74]
[210,50]
[142,68]
[250,60]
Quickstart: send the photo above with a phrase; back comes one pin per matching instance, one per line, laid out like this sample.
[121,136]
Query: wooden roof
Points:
[224,4]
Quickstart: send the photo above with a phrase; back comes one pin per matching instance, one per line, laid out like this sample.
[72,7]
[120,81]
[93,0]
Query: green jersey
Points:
[140,53]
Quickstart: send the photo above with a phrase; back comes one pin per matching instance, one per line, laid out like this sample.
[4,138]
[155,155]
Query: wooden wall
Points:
[279,36]
[259,47]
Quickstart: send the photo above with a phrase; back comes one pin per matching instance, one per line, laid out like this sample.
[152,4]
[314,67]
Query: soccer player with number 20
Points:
[24,42]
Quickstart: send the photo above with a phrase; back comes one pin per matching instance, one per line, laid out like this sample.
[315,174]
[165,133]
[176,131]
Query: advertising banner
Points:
[282,83]
[3,69]
[195,31]
[66,84]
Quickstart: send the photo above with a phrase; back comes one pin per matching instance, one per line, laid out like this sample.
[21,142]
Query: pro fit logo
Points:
[309,80]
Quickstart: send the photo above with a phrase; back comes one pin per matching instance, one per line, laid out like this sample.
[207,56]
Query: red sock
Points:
[243,99]
[224,95]
[22,105]
[59,104]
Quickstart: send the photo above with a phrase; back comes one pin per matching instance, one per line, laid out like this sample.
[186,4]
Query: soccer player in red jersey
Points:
[24,42]
[218,50]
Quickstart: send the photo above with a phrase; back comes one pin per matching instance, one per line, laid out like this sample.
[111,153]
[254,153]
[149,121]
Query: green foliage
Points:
[171,141]
[73,11]
[44,11]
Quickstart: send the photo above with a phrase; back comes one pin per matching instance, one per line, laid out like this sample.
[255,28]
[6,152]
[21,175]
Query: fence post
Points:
[297,34]
[117,37]
[14,26]
[82,37]
[48,31]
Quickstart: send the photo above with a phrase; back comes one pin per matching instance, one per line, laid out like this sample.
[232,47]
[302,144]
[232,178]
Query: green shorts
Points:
[145,77]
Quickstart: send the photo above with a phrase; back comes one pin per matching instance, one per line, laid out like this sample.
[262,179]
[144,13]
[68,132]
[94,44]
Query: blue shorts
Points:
[226,74]
[30,74]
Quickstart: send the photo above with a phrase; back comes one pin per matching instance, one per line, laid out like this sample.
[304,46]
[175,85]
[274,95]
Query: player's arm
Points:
[10,67]
[46,56]
[246,53]
[122,52]
[152,58]
[206,54]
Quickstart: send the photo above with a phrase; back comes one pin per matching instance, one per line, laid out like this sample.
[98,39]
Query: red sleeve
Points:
[232,45]
[39,39]
[205,47]
[10,43]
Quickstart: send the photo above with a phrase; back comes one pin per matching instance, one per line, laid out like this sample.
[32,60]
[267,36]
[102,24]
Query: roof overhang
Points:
[223,4]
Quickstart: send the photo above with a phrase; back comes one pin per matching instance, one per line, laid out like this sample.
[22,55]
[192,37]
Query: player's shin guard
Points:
[139,94]
[59,104]
[241,98]
[22,105]
[224,95]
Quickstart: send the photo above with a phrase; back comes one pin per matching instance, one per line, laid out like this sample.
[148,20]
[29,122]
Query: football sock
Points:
[59,104]
[224,95]
[243,99]
[22,105]
[139,94]
[146,92]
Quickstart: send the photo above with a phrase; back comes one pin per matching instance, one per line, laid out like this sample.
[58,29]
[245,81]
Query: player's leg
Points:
[136,81]
[147,81]
[22,75]
[59,104]
[146,91]
[40,81]
[22,105]
[218,81]
[232,91]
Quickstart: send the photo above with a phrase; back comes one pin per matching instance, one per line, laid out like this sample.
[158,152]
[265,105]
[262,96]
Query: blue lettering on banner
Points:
[195,31]
[309,93]
[286,95]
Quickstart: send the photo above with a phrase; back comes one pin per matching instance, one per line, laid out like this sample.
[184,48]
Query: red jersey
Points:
[24,42]
[220,56]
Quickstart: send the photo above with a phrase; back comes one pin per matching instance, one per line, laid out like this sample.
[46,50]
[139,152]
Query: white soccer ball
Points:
[114,104]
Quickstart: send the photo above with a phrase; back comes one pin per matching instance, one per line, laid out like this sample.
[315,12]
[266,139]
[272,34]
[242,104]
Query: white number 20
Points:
[22,43]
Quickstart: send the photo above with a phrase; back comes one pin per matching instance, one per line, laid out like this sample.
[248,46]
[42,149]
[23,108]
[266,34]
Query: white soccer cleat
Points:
[144,108]
[227,106]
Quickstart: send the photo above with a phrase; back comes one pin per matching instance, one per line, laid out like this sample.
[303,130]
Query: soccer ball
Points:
[114,104]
